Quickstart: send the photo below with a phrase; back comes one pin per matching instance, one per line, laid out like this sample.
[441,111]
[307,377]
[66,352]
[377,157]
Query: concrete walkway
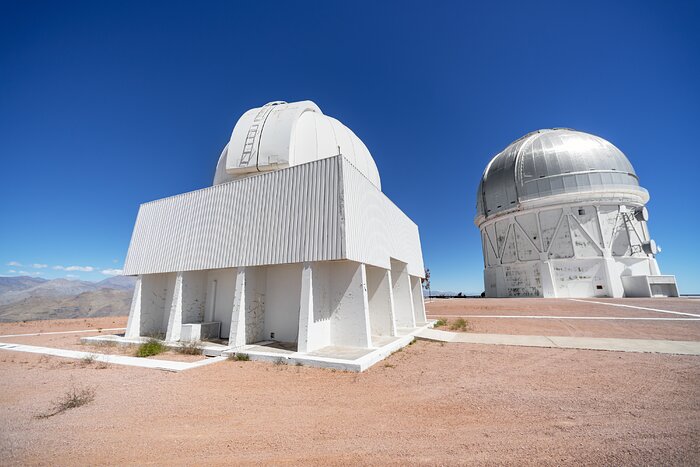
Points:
[114,359]
[585,343]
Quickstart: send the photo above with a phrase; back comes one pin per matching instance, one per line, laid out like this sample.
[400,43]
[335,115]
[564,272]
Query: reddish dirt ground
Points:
[431,403]
[73,341]
[56,325]
[673,327]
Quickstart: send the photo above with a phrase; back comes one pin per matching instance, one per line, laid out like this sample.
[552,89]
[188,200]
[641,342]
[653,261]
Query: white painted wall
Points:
[282,299]
[381,301]
[418,303]
[194,295]
[403,295]
[155,303]
[219,307]
[350,324]
[566,250]
[376,230]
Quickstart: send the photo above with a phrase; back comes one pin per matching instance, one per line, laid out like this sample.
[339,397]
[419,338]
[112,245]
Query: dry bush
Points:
[460,324]
[190,348]
[73,398]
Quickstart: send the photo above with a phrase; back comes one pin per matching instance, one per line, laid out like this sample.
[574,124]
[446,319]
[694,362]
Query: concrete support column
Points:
[306,310]
[547,280]
[133,326]
[613,279]
[175,313]
[237,338]
[418,302]
[403,296]
[381,301]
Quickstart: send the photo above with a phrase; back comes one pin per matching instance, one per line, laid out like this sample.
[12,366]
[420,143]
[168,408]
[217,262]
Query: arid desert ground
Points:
[431,403]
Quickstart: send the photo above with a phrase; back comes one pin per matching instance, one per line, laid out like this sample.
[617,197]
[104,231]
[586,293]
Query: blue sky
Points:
[105,105]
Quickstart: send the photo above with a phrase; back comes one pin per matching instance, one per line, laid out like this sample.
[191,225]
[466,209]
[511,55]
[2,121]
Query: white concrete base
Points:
[566,342]
[114,359]
[192,332]
[209,349]
[334,357]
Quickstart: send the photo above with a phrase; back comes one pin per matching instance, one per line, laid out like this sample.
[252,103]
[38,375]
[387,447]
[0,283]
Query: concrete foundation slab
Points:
[563,342]
[114,359]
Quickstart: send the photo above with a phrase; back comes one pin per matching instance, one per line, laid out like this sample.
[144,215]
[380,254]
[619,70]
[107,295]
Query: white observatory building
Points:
[562,214]
[294,244]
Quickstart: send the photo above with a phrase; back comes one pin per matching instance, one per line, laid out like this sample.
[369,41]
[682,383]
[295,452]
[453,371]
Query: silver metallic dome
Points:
[554,162]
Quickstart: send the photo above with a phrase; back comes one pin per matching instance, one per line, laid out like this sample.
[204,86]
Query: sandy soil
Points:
[428,404]
[72,341]
[55,325]
[673,330]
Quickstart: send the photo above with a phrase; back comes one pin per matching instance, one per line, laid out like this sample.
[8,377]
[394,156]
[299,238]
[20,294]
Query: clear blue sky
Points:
[105,105]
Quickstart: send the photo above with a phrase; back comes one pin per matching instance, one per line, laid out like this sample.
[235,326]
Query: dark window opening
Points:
[599,287]
[581,212]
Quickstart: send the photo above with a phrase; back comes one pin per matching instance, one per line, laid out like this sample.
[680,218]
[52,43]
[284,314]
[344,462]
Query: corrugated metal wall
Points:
[287,216]
[376,229]
[320,211]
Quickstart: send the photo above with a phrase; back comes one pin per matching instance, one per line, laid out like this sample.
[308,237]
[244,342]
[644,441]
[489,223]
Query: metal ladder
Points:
[252,135]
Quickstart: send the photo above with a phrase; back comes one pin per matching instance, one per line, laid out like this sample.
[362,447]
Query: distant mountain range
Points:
[442,293]
[24,298]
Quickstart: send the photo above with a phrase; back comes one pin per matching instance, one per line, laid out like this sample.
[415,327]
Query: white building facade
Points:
[294,243]
[562,214]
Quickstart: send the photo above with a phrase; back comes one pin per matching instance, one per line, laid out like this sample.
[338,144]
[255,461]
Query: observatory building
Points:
[294,246]
[562,214]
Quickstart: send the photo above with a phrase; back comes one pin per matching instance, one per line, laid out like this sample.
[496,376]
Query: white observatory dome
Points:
[281,134]
[556,162]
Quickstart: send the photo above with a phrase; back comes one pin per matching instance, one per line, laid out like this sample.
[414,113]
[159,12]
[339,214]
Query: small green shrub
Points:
[239,357]
[460,324]
[152,347]
[441,322]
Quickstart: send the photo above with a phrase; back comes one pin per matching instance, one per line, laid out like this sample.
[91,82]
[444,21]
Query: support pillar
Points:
[175,314]
[305,341]
[613,279]
[418,302]
[133,326]
[403,296]
[547,280]
[381,301]
[237,338]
